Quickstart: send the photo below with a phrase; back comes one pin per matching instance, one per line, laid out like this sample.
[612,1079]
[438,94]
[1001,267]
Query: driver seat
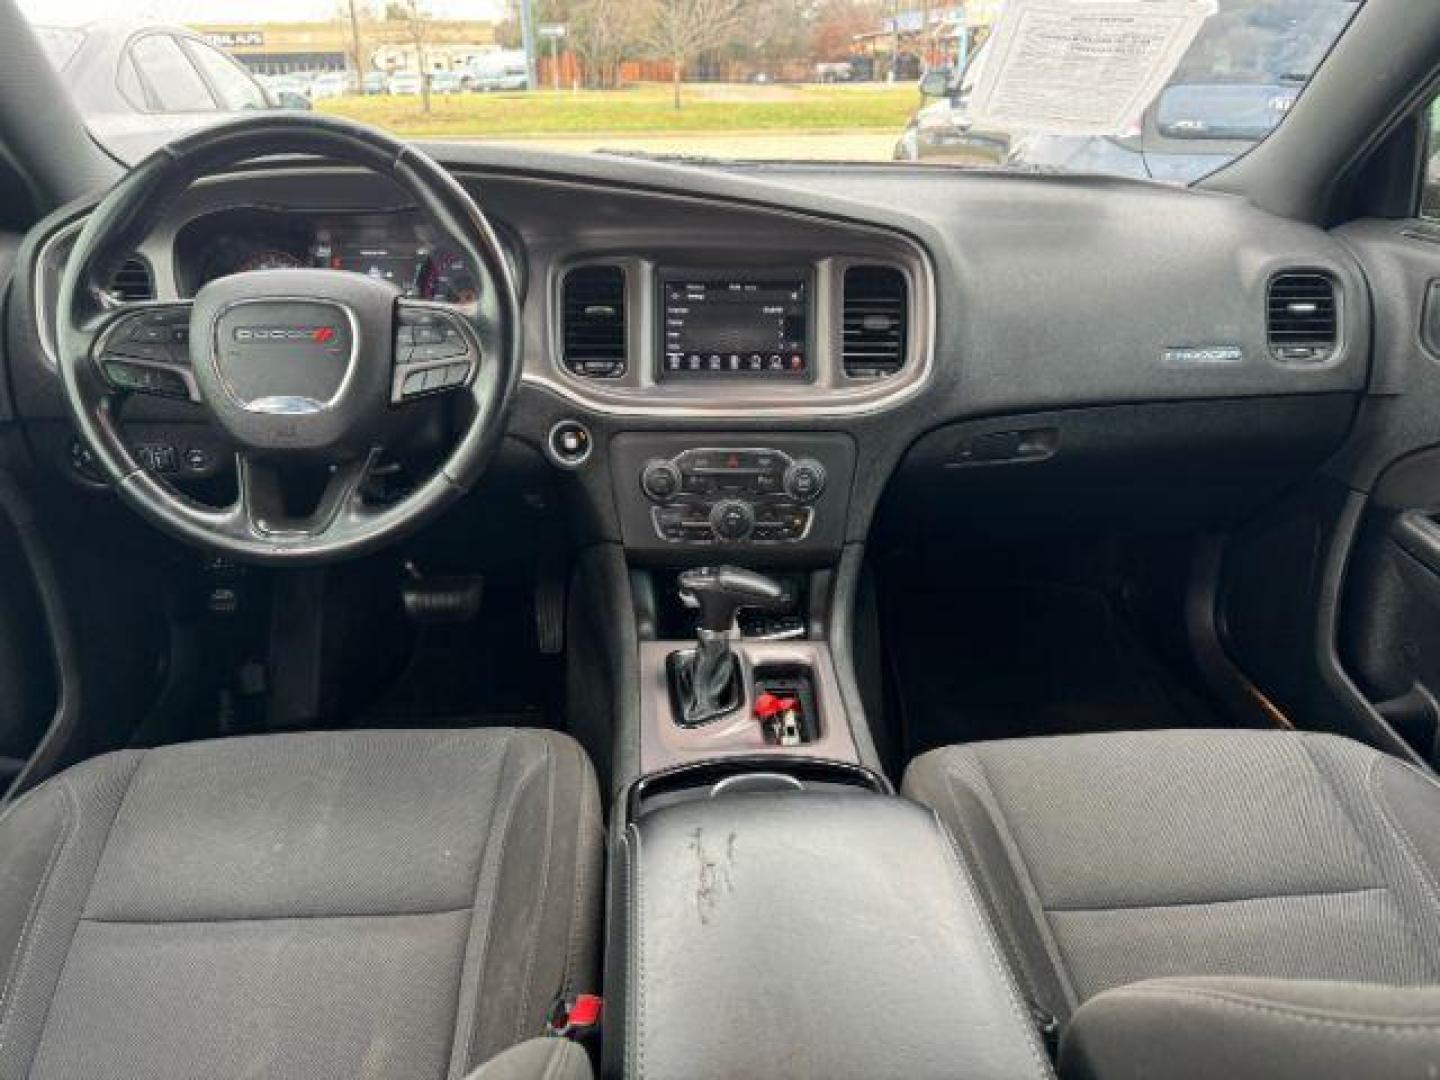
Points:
[357,904]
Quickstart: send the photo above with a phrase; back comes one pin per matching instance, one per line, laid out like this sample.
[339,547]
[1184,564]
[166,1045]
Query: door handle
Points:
[1419,534]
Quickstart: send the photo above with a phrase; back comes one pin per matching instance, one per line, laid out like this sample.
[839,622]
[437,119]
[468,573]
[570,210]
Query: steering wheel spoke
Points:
[260,509]
[436,350]
[144,348]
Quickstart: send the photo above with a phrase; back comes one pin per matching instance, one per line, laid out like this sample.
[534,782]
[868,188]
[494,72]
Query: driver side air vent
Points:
[593,317]
[133,281]
[875,319]
[1301,318]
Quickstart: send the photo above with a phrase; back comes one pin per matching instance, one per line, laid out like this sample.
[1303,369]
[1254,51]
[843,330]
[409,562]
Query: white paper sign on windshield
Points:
[1081,67]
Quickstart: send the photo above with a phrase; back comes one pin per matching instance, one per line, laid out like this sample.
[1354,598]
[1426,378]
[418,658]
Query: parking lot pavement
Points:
[808,146]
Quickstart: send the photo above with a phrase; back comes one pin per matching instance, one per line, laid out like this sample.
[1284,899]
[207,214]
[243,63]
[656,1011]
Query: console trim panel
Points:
[664,744]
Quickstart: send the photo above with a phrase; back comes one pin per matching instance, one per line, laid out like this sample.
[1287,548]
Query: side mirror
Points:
[935,84]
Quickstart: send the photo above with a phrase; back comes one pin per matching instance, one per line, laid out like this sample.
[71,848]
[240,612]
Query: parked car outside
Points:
[288,91]
[497,71]
[374,83]
[331,84]
[1232,88]
[445,82]
[406,83]
[131,79]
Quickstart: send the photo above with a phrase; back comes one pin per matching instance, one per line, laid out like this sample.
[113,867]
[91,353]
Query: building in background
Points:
[909,42]
[311,47]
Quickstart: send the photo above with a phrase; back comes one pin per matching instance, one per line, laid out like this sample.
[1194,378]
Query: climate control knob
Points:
[732,520]
[805,480]
[660,480]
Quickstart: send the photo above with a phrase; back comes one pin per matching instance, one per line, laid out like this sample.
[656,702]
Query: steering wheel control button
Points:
[424,335]
[570,444]
[805,480]
[423,338]
[145,379]
[153,336]
[732,520]
[660,480]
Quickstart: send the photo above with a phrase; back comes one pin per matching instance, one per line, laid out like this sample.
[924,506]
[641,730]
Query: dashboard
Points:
[720,358]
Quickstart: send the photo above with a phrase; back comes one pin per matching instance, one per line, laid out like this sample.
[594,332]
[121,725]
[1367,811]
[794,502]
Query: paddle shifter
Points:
[707,683]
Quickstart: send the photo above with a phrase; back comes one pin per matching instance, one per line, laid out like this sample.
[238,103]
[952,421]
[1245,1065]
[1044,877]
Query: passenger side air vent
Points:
[133,281]
[876,318]
[593,311]
[1301,317]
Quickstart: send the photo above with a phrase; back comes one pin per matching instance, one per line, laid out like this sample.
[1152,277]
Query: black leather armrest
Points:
[1253,1029]
[805,935]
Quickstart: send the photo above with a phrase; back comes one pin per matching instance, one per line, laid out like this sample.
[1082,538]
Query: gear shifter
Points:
[706,684]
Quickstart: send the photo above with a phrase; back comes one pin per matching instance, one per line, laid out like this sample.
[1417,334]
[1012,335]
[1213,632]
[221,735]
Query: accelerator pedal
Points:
[550,603]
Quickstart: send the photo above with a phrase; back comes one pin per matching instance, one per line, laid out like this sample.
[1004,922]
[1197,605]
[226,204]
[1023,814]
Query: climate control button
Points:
[805,480]
[732,520]
[660,480]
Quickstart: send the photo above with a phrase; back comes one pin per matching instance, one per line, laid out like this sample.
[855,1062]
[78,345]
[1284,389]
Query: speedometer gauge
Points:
[268,259]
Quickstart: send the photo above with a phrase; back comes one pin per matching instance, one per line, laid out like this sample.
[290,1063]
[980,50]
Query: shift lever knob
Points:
[718,592]
[707,683]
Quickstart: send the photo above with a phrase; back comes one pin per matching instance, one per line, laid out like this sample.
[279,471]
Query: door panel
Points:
[1389,630]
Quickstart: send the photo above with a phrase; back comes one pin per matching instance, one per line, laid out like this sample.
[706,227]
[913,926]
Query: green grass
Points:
[640,109]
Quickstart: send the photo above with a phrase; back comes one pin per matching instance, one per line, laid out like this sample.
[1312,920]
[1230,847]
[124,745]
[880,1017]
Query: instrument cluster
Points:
[396,246]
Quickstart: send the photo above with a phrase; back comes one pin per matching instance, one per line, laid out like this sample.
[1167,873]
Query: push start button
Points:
[570,444]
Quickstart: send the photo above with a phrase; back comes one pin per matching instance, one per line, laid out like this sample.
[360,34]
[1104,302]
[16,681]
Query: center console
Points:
[802,927]
[775,910]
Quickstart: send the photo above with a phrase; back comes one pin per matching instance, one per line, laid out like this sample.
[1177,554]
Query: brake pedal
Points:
[455,598]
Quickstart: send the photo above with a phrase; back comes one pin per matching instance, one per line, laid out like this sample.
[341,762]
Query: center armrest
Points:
[802,934]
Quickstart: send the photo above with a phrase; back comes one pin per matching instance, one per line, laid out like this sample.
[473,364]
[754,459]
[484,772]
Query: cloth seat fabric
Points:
[358,904]
[1115,858]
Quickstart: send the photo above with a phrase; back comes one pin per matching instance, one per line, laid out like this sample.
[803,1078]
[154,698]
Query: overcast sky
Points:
[72,12]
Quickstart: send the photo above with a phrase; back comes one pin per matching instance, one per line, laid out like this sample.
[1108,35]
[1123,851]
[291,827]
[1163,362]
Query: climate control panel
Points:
[778,496]
[733,495]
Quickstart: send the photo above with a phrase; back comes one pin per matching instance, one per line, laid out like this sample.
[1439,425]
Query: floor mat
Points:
[1024,660]
[485,673]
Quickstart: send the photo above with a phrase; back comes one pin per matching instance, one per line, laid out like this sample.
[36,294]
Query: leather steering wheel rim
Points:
[343,526]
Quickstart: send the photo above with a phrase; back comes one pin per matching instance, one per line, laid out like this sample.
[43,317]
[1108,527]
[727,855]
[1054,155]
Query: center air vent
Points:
[875,321]
[133,281]
[593,312]
[1301,318]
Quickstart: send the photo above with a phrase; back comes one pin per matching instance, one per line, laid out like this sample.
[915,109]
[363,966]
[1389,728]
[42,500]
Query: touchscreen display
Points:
[734,325]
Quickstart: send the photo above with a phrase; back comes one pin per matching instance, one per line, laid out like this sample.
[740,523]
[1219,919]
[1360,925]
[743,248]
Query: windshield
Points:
[1158,89]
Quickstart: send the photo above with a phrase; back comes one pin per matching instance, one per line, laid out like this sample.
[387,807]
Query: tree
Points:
[350,9]
[602,33]
[417,25]
[680,30]
[837,23]
[778,30]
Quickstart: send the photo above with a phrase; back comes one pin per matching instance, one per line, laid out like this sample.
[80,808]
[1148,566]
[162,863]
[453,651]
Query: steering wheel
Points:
[299,367]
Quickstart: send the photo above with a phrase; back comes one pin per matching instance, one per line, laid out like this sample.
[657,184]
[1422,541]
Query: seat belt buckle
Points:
[1048,1028]
[577,1018]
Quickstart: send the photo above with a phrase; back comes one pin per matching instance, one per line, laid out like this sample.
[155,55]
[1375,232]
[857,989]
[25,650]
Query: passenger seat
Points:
[1203,903]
